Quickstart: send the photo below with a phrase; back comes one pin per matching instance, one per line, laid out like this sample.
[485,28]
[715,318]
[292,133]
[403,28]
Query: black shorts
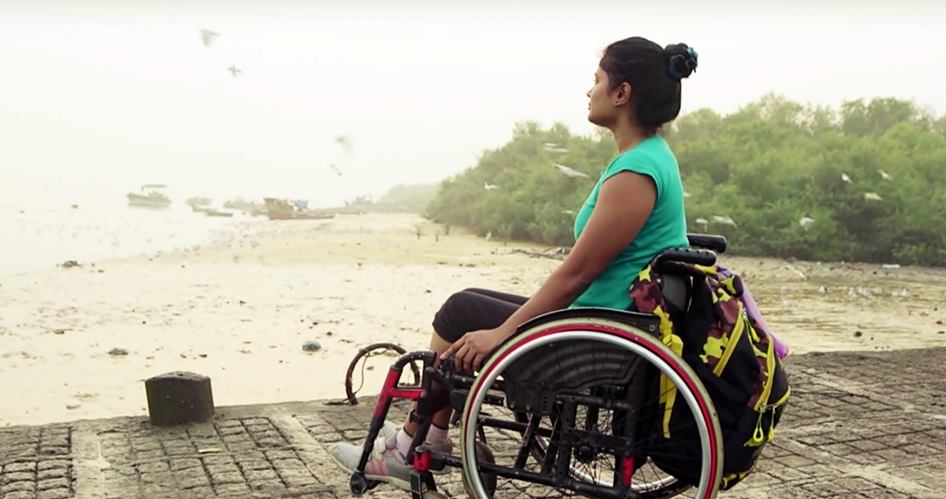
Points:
[474,309]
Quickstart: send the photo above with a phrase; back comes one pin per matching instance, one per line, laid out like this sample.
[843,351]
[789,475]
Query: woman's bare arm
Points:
[625,201]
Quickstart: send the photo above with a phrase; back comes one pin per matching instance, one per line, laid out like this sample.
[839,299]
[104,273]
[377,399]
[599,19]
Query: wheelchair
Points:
[569,391]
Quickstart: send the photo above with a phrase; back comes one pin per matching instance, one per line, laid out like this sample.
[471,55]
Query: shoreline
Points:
[38,240]
[240,311]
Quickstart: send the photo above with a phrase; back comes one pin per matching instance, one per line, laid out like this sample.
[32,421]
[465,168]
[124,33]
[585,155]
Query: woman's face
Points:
[605,104]
[601,110]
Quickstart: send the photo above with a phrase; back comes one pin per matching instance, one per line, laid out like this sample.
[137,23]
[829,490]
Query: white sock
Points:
[402,445]
[402,441]
[436,435]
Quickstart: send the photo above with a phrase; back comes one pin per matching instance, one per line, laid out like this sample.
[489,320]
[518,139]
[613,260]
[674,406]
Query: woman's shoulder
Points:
[650,156]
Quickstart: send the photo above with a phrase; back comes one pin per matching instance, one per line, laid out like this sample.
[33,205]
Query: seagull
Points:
[570,172]
[872,196]
[233,69]
[806,221]
[786,303]
[488,186]
[723,220]
[884,175]
[345,142]
[553,147]
[845,178]
[208,37]
[702,221]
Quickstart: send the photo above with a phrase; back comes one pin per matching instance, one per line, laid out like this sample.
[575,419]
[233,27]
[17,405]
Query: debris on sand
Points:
[555,253]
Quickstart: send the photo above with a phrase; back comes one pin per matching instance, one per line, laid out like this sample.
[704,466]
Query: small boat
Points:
[249,207]
[199,204]
[214,212]
[150,196]
[285,209]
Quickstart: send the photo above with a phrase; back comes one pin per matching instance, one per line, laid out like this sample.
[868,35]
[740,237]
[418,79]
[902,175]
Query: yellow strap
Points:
[731,342]
[763,401]
[668,391]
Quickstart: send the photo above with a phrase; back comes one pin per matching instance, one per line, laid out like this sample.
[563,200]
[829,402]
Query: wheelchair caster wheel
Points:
[483,455]
[359,484]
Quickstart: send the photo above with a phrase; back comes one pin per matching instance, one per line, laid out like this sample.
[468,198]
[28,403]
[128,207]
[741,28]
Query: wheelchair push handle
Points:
[702,251]
[714,243]
[687,255]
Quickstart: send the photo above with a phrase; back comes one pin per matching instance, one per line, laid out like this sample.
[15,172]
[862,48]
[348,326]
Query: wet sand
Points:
[241,310]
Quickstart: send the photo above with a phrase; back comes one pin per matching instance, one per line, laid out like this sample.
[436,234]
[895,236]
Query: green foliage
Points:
[406,198]
[766,166]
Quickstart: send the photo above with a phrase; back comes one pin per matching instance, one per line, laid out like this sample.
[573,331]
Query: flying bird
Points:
[872,196]
[570,172]
[489,187]
[233,69]
[553,147]
[845,178]
[805,222]
[208,37]
[345,142]
[724,220]
[884,175]
[336,170]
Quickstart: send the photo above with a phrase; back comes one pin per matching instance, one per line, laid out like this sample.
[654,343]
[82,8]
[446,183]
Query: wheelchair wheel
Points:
[594,383]
[654,485]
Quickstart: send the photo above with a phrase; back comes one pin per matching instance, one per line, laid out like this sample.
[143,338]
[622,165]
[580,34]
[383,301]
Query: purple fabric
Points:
[781,349]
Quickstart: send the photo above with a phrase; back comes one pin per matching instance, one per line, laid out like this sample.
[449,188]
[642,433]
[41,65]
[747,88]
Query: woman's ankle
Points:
[436,435]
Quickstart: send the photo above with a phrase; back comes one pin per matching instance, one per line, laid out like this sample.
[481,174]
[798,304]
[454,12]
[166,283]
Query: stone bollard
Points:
[179,397]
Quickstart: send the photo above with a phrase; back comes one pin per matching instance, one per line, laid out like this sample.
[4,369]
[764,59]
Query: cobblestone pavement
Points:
[858,425]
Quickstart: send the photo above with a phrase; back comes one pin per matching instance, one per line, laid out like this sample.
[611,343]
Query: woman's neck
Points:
[628,136]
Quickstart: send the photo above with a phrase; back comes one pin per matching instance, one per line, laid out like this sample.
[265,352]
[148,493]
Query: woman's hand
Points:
[473,347]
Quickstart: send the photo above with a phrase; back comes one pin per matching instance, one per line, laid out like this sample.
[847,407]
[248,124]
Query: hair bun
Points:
[682,60]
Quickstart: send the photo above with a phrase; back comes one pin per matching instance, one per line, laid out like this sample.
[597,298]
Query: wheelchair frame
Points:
[620,326]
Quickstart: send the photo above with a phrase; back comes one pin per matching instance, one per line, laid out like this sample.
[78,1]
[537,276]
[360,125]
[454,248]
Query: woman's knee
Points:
[447,320]
[469,310]
[459,300]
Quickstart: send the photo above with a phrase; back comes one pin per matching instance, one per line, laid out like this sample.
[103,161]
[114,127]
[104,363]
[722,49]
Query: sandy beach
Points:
[240,311]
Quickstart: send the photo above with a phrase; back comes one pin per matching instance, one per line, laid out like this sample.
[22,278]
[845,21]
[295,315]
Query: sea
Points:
[44,226]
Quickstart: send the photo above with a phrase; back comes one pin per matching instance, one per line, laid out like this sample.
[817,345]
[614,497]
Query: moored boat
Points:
[150,196]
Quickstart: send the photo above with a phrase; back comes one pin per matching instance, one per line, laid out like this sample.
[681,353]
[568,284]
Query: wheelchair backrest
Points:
[676,289]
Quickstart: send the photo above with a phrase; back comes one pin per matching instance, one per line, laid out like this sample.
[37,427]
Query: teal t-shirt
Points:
[665,228]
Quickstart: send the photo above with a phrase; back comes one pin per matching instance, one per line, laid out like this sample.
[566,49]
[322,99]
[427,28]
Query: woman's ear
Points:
[622,94]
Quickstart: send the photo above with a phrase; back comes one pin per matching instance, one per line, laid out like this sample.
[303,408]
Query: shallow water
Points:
[51,226]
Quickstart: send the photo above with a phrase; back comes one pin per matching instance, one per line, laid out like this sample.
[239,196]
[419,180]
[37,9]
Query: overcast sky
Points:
[124,93]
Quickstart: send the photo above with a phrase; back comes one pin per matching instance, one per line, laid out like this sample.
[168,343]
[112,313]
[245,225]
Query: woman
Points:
[634,212]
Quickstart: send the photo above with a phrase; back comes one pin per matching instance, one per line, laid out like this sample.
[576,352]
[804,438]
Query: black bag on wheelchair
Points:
[734,359]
